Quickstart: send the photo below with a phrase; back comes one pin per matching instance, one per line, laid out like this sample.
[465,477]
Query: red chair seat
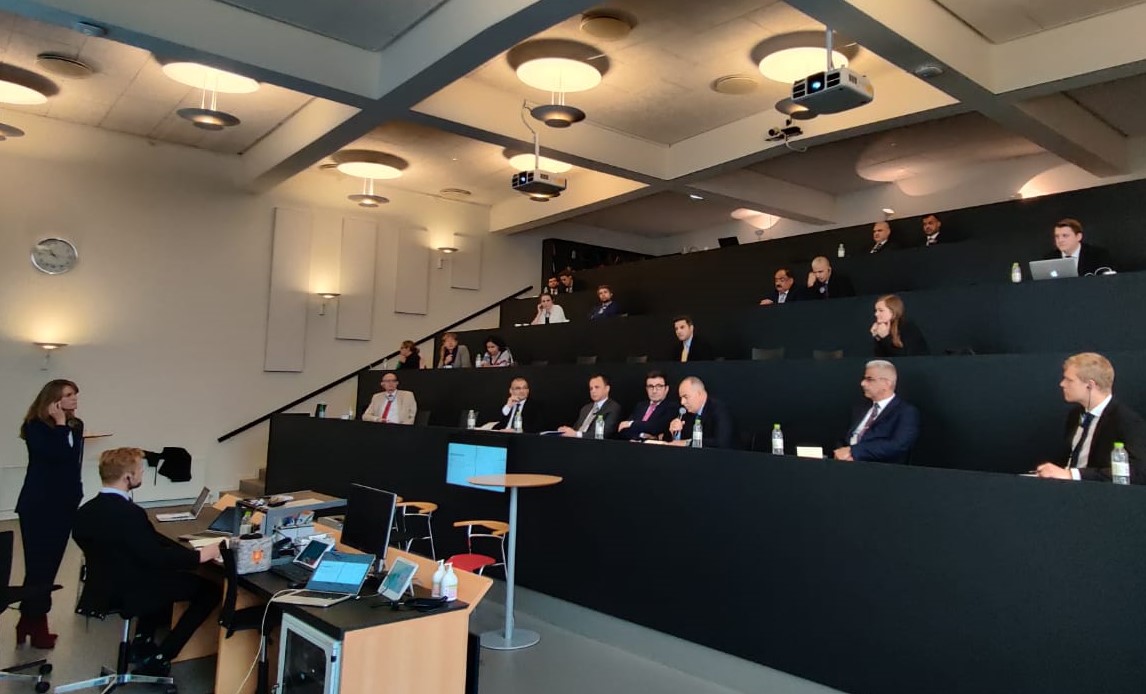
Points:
[471,562]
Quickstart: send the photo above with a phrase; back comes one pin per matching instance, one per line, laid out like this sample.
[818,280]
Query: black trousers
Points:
[44,533]
[202,594]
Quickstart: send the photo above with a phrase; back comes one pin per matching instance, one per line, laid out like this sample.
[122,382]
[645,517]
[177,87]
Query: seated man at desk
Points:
[145,573]
[1088,258]
[651,417]
[826,283]
[607,307]
[690,347]
[599,405]
[886,432]
[391,406]
[715,421]
[519,406]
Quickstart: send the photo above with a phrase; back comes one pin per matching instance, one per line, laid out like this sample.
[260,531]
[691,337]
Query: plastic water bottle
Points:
[349,413]
[471,419]
[1120,464]
[777,440]
[436,589]
[599,428]
[516,423]
[840,251]
[697,434]
[450,583]
[1016,273]
[477,362]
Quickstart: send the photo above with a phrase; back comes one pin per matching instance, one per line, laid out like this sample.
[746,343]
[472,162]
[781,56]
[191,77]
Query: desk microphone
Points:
[680,416]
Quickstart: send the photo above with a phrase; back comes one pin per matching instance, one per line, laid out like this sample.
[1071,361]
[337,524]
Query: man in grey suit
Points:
[599,406]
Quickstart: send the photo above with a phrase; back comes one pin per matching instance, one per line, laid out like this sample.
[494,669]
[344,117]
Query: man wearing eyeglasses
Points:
[650,419]
[391,406]
[886,432]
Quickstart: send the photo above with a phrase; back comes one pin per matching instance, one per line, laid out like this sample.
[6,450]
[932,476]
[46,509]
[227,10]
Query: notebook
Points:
[339,576]
[196,509]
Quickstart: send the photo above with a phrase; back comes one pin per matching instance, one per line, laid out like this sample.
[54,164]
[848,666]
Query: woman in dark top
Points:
[496,353]
[894,335]
[408,357]
[48,501]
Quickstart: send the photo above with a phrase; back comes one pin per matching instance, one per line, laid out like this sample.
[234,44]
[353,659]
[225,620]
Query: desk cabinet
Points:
[309,660]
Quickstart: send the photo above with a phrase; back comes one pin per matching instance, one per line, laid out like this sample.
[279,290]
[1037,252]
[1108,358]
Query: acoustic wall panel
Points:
[357,273]
[412,280]
[290,292]
[465,265]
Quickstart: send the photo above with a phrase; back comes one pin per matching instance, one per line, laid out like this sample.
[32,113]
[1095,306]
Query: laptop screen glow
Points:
[339,572]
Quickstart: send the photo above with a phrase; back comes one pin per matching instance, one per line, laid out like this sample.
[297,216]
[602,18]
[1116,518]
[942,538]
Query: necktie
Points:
[649,411]
[876,247]
[386,410]
[684,352]
[589,419]
[1087,418]
[781,297]
[868,423]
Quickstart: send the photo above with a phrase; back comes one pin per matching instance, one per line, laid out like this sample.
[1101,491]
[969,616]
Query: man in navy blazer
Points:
[786,289]
[888,429]
[650,418]
[607,307]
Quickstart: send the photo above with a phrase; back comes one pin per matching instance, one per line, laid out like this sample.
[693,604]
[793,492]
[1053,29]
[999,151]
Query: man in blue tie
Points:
[886,432]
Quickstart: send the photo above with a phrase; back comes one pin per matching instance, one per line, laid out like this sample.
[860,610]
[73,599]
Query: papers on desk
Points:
[198,542]
[487,426]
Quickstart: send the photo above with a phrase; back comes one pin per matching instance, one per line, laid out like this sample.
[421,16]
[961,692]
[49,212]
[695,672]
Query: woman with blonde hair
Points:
[894,335]
[453,355]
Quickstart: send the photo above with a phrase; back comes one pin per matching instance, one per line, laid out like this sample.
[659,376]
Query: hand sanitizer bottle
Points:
[436,589]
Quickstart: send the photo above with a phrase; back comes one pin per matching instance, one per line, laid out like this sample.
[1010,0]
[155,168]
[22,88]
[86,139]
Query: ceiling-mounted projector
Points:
[538,184]
[833,91]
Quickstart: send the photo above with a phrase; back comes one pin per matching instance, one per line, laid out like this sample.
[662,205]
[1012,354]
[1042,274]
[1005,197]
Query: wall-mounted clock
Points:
[54,256]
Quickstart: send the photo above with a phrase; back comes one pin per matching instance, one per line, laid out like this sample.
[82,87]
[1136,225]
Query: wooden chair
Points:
[767,353]
[481,534]
[414,523]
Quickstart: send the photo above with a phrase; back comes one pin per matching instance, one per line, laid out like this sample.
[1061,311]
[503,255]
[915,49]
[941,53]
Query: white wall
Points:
[165,314]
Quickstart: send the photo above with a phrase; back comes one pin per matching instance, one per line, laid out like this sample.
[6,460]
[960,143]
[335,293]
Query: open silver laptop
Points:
[1054,269]
[196,509]
[339,576]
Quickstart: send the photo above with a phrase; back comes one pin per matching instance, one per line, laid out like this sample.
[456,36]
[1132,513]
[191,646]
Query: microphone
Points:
[680,415]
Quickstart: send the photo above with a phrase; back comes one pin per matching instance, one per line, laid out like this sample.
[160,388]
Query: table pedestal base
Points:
[521,638]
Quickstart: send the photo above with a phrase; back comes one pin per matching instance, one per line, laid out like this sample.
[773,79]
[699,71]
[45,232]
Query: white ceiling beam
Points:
[756,191]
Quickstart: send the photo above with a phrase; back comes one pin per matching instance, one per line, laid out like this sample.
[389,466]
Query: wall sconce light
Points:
[48,348]
[444,250]
[326,296]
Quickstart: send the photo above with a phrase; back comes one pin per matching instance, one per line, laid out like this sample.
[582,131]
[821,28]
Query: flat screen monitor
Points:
[466,459]
[369,517]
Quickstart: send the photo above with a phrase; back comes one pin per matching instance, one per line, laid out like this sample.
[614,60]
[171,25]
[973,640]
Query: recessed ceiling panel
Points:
[1000,21]
[369,24]
[1120,103]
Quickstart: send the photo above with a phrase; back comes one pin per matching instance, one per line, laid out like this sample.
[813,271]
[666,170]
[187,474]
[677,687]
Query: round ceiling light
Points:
[368,200]
[796,63]
[525,162]
[208,119]
[367,163]
[7,131]
[209,78]
[64,66]
[557,115]
[605,26]
[559,74]
[24,87]
[735,84]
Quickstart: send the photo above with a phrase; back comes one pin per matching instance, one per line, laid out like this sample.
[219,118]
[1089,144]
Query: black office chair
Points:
[247,618]
[539,362]
[421,418]
[641,359]
[767,353]
[588,359]
[827,354]
[10,595]
[96,601]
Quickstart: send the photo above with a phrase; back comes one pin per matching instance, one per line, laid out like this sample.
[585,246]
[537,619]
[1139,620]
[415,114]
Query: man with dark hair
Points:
[552,286]
[931,226]
[565,277]
[715,421]
[599,406]
[786,290]
[690,347]
[826,283]
[651,417]
[1088,259]
[607,307]
[520,407]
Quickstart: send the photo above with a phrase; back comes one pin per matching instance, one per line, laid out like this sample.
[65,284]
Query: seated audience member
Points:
[496,353]
[691,347]
[651,417]
[606,306]
[565,277]
[408,356]
[1096,420]
[888,429]
[144,573]
[881,237]
[391,406]
[453,355]
[931,225]
[548,312]
[825,283]
[715,421]
[552,286]
[894,335]
[786,290]
[1068,243]
[519,404]
[599,405]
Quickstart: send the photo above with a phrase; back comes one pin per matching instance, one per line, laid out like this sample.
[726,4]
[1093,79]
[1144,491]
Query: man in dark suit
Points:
[607,307]
[141,571]
[786,290]
[651,417]
[599,406]
[825,283]
[931,227]
[888,429]
[552,286]
[1068,244]
[715,421]
[881,238]
[568,285]
[521,405]
[1096,420]
[690,347]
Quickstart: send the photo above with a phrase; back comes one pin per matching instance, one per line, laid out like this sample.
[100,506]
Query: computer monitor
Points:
[467,458]
[369,517]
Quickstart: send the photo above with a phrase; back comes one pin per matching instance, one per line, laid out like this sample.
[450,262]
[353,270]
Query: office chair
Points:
[10,595]
[414,522]
[491,535]
[96,601]
[641,359]
[767,353]
[827,354]
[587,359]
[247,619]
[421,418]
[539,362]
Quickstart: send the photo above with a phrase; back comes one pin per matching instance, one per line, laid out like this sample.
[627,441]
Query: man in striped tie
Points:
[886,432]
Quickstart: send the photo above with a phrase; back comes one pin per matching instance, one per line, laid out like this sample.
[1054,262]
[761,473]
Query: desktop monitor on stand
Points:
[369,517]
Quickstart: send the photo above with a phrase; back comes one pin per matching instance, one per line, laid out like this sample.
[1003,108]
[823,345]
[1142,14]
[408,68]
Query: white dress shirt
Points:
[556,315]
[1074,257]
[1084,452]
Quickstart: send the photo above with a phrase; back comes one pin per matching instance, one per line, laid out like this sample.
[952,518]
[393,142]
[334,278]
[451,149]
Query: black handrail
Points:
[369,366]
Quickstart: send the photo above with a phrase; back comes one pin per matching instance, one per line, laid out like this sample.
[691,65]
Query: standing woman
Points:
[48,501]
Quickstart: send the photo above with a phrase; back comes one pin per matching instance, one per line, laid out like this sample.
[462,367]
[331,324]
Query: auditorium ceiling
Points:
[957,82]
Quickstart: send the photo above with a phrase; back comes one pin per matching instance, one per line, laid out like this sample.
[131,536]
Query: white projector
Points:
[538,184]
[833,91]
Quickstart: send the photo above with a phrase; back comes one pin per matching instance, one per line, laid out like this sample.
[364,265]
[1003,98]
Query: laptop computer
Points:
[399,579]
[224,525]
[1054,269]
[305,562]
[196,509]
[339,576]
